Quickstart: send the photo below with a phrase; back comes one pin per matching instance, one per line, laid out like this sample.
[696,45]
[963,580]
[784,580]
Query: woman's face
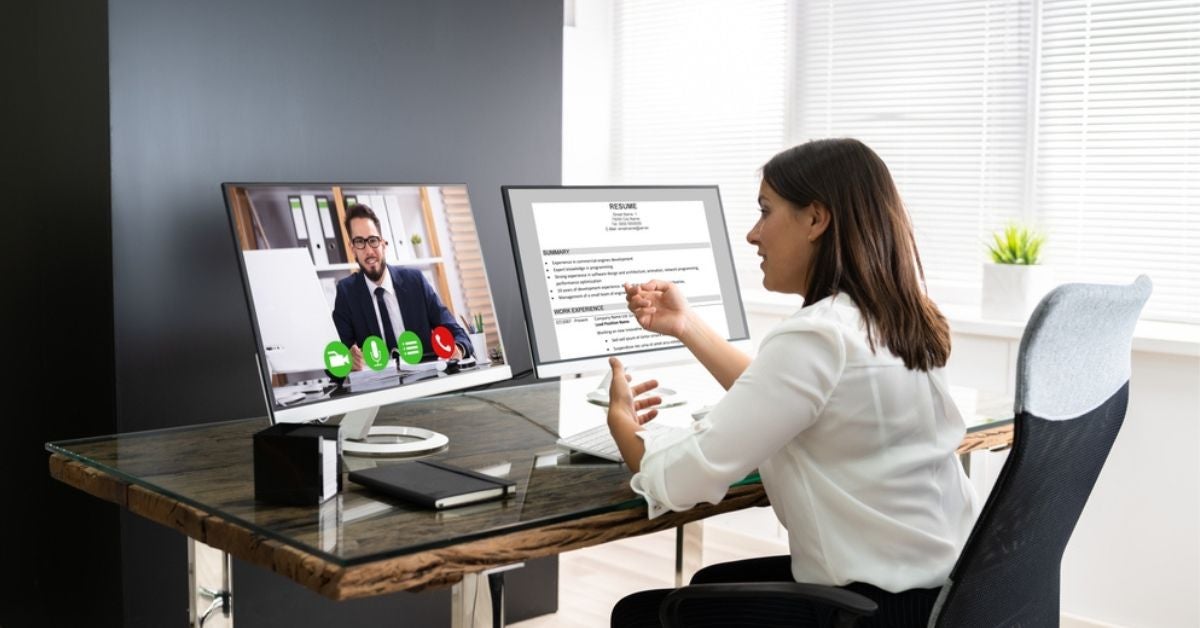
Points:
[786,238]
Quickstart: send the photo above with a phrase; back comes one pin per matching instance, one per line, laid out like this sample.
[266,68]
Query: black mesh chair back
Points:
[1071,393]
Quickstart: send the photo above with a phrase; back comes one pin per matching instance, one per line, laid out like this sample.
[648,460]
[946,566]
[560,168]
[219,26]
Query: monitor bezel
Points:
[636,357]
[326,408]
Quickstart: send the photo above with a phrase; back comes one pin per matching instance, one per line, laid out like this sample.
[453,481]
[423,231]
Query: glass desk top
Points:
[199,480]
[211,467]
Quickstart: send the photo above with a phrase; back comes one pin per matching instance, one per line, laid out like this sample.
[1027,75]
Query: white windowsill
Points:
[1149,336]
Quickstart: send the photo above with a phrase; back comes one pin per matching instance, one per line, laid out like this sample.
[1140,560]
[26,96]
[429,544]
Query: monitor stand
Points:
[362,438]
[599,395]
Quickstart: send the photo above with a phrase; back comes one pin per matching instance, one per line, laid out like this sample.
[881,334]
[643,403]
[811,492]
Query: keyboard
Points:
[598,441]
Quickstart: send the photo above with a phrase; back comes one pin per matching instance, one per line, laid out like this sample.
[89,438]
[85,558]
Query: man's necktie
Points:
[389,332]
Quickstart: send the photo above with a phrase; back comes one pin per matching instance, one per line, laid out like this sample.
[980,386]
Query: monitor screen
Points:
[576,246]
[363,294]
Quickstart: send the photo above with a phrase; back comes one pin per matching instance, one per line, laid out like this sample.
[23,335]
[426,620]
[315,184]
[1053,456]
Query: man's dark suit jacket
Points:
[420,307]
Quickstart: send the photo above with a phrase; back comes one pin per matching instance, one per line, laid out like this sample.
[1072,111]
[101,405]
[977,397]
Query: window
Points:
[1118,145]
[699,90]
[468,260]
[940,91]
[1082,116]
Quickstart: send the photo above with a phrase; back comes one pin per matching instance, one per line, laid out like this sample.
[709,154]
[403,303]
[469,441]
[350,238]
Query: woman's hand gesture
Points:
[659,306]
[624,404]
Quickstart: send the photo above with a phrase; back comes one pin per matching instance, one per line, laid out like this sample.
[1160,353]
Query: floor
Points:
[592,580]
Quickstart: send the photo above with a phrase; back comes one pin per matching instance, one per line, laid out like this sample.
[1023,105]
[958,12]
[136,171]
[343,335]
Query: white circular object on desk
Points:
[419,441]
[670,398]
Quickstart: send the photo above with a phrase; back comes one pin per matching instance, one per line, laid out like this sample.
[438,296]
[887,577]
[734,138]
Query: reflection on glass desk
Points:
[982,410]
[199,481]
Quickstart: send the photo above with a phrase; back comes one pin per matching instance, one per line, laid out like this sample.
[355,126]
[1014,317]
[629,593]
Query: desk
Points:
[199,481]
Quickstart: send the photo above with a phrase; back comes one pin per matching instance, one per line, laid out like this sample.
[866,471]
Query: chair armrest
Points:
[850,605]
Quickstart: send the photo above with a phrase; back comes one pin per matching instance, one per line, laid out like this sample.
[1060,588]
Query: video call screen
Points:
[345,309]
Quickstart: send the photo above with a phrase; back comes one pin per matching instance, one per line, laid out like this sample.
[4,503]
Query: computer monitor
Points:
[324,348]
[575,246]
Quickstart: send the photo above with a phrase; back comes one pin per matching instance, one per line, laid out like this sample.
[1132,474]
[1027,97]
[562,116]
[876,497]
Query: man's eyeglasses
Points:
[362,243]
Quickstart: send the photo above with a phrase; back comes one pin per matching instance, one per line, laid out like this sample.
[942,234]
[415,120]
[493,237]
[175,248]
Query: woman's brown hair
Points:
[868,251]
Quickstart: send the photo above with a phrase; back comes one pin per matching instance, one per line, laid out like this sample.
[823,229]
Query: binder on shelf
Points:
[316,241]
[298,221]
[376,203]
[331,230]
[348,201]
[434,484]
[396,219]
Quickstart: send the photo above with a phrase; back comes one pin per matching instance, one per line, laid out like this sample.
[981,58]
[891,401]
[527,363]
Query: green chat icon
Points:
[410,347]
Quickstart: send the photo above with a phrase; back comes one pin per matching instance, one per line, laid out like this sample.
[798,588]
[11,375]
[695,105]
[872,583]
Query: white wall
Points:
[587,92]
[1134,559]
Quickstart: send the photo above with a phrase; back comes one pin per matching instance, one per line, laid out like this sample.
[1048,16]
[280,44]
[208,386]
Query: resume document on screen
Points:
[588,250]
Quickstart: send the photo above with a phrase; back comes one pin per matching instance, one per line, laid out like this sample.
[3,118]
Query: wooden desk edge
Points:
[411,572]
[994,438]
[88,479]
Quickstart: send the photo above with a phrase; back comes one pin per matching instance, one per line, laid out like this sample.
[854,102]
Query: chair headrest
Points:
[1076,349]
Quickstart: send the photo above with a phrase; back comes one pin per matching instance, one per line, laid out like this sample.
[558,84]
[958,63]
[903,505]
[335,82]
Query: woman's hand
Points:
[659,306]
[623,404]
[627,413]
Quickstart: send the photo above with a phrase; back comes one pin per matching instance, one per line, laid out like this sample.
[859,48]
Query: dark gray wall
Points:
[60,555]
[281,90]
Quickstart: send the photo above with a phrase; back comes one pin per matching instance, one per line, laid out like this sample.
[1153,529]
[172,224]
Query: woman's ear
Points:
[820,217]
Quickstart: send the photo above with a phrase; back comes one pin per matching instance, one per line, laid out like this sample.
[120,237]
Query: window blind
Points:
[1118,151]
[468,259]
[1080,116]
[698,98]
[940,90]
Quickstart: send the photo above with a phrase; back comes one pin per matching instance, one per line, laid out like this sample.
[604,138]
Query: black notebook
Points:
[434,484]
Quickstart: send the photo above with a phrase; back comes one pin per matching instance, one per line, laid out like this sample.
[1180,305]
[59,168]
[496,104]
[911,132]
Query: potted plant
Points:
[1014,281]
[416,242]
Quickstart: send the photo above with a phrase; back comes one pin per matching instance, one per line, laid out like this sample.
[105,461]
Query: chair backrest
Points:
[1071,392]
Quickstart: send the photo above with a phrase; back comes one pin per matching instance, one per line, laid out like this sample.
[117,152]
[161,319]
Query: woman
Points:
[845,411]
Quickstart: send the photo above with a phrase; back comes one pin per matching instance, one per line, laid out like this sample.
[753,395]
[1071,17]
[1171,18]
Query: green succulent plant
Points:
[416,238]
[1016,244]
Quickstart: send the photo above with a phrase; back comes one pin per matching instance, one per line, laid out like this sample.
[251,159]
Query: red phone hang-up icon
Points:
[443,342]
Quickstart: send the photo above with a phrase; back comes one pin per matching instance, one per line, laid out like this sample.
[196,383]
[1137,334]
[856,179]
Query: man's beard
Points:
[374,276]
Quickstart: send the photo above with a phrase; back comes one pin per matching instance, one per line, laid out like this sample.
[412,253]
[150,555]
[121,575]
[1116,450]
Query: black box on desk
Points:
[297,464]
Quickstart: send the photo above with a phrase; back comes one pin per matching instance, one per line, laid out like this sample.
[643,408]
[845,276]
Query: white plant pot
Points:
[479,348]
[1012,291]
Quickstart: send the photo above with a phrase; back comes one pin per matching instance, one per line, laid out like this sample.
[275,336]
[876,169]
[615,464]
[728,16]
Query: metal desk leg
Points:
[210,587]
[477,601]
[689,551]
[496,590]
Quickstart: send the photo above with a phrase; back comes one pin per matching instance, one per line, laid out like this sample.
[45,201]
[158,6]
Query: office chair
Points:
[1072,389]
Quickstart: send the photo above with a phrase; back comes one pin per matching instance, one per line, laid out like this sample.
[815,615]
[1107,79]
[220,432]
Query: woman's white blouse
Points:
[856,452]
